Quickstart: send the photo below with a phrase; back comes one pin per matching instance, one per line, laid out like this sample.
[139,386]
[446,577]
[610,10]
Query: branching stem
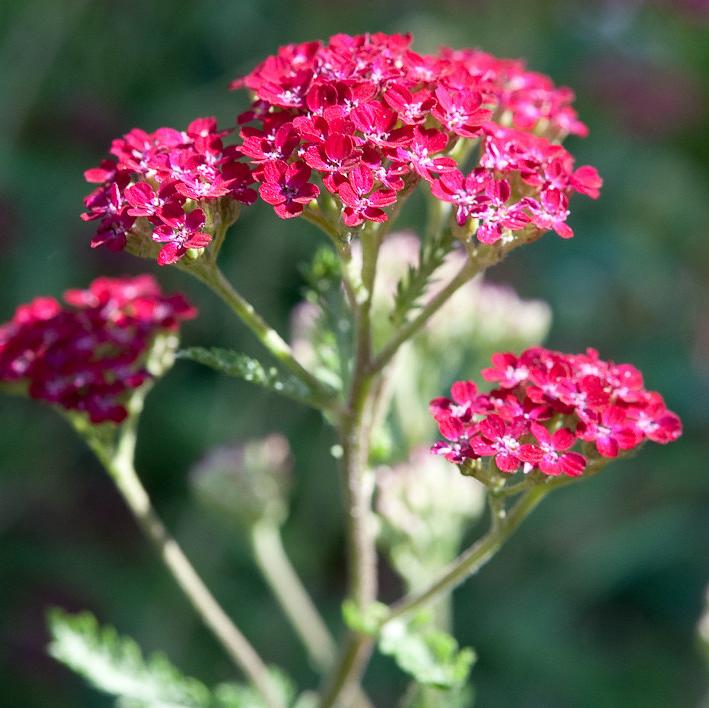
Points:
[215,279]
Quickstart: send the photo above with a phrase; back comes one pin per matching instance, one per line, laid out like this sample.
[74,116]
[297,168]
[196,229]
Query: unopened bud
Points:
[246,483]
[424,507]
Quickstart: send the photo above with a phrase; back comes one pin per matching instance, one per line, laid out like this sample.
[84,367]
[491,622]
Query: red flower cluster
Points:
[545,402]
[370,117]
[170,178]
[86,357]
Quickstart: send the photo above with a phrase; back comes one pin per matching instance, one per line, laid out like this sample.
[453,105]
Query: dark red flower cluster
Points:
[369,117]
[545,402]
[171,178]
[88,356]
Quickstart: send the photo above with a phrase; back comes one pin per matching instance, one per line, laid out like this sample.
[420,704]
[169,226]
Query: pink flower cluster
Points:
[86,357]
[545,402]
[171,178]
[369,117]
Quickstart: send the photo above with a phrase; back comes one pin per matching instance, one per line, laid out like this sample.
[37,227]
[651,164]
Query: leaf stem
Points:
[215,279]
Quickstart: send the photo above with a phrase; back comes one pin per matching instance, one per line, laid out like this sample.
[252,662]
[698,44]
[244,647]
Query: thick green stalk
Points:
[355,433]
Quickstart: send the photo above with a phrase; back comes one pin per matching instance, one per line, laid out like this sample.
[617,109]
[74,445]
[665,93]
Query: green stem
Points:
[239,649]
[294,600]
[407,330]
[355,433]
[215,279]
[471,560]
[285,584]
[317,218]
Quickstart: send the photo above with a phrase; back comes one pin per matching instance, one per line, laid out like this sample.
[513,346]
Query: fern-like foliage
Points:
[412,287]
[115,665]
[249,369]
[429,655]
[331,336]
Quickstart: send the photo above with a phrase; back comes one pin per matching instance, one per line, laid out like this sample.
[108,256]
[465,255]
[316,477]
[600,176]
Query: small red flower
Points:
[181,233]
[286,187]
[419,155]
[610,430]
[500,440]
[550,454]
[361,203]
[460,111]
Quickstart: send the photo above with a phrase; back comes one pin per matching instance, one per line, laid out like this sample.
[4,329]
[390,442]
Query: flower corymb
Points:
[370,118]
[545,404]
[171,180]
[87,355]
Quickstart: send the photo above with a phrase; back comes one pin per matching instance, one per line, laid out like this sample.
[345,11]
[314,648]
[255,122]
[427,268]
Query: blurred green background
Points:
[595,602]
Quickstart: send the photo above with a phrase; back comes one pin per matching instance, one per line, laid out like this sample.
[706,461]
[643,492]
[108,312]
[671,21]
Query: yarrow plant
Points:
[340,133]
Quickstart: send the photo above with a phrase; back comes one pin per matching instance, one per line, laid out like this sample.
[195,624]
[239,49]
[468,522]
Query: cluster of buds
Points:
[370,117]
[88,356]
[544,404]
[173,181]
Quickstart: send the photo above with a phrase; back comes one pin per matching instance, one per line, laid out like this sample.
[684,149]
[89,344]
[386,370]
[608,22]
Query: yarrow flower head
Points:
[545,404]
[87,355]
[365,117]
[171,182]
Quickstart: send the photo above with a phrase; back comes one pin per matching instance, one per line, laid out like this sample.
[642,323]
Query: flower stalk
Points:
[294,600]
[119,464]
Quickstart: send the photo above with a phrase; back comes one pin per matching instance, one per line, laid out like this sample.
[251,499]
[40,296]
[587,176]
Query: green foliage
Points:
[115,665]
[413,285]
[366,622]
[235,695]
[330,335]
[419,696]
[245,367]
[429,655]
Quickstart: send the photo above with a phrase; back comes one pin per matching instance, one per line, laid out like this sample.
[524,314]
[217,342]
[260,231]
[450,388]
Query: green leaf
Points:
[412,287]
[331,334]
[245,367]
[115,665]
[429,655]
[367,621]
[235,695]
